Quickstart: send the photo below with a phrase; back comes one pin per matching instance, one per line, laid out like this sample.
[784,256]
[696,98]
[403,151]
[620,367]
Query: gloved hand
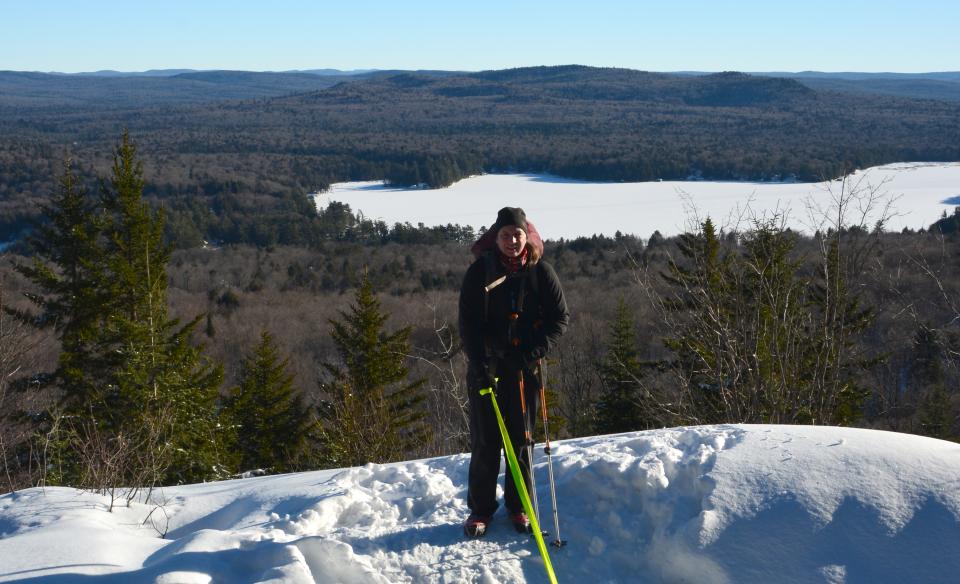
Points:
[516,360]
[533,355]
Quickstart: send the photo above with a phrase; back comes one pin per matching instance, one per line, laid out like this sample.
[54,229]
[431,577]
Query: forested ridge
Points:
[238,170]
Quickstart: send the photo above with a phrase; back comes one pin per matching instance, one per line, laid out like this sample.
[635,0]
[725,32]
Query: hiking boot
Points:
[521,522]
[476,525]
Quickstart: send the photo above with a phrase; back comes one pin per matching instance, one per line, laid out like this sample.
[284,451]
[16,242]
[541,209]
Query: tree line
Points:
[297,357]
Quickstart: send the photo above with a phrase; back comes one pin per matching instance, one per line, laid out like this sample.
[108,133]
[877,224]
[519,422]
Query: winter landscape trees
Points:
[747,323]
[271,427]
[133,400]
[757,340]
[374,413]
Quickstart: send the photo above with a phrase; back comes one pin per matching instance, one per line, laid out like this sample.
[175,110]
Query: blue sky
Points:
[76,35]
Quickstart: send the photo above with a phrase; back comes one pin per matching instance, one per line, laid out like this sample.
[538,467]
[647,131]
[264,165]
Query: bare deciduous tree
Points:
[18,354]
[447,403]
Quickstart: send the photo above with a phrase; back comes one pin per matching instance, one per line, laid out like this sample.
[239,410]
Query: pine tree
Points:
[68,274]
[619,408]
[374,413]
[158,383]
[772,302]
[758,341]
[936,413]
[705,300]
[138,404]
[273,427]
[836,394]
[67,271]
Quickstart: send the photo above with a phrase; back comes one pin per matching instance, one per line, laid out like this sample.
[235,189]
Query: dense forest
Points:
[238,170]
[865,320]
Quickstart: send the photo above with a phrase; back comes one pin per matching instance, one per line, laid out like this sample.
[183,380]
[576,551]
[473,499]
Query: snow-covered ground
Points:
[700,505]
[568,208]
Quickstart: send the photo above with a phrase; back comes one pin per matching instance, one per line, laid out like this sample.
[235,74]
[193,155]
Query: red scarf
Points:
[513,265]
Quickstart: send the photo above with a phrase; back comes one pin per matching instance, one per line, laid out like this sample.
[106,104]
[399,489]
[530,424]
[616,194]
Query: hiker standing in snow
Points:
[512,311]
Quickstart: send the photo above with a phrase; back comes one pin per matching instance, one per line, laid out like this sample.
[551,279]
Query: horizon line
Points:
[360,71]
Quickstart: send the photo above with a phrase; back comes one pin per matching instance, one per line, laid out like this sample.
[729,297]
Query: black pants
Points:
[486,444]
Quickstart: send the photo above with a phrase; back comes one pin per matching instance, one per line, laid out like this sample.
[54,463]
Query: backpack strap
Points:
[534,273]
[489,282]
[533,278]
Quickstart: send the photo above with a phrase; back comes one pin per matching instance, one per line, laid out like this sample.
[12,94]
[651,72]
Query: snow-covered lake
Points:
[569,208]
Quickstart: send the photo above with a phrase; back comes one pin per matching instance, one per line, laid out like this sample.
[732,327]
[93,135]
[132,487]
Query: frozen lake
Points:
[569,208]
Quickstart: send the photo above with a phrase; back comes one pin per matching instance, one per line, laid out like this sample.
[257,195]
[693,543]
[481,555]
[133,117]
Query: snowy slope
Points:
[713,504]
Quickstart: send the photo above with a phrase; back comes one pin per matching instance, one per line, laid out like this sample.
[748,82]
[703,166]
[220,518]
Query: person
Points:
[511,312]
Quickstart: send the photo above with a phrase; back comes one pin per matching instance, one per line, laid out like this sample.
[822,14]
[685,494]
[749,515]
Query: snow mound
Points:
[705,505]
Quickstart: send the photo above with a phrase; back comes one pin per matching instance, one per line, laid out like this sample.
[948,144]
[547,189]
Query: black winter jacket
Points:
[486,330]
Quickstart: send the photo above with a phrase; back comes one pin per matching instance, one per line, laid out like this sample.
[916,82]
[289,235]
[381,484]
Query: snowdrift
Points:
[705,505]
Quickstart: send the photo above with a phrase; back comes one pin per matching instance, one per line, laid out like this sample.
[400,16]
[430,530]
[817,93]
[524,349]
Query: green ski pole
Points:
[521,486]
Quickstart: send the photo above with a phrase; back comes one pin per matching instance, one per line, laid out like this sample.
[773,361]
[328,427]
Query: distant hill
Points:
[332,71]
[28,91]
[172,72]
[849,75]
[249,145]
[577,82]
[912,88]
[581,84]
[150,73]
[855,76]
[32,90]
[944,86]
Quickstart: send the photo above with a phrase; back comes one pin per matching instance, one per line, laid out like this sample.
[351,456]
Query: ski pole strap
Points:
[521,486]
[523,408]
[543,405]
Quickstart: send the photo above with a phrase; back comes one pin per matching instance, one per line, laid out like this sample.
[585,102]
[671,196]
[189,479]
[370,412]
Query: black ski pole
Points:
[546,449]
[528,435]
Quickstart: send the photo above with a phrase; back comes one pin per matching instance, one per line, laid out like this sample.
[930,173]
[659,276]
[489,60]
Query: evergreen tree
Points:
[936,413]
[158,383]
[836,395]
[948,225]
[928,356]
[68,273]
[273,428]
[373,412]
[772,302]
[702,310]
[138,404]
[619,408]
[756,340]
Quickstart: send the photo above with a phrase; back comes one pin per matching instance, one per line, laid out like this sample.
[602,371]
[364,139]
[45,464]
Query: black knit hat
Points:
[510,216]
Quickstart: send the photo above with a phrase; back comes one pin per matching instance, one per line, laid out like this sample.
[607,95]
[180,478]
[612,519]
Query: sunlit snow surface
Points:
[568,208]
[700,505]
